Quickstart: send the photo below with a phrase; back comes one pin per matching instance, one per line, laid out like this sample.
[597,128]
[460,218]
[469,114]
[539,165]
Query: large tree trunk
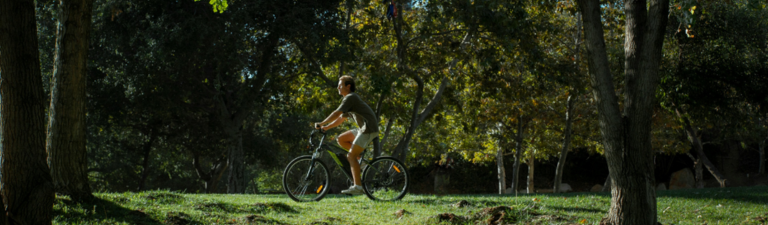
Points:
[236,178]
[519,149]
[147,148]
[500,169]
[627,136]
[66,122]
[566,144]
[27,187]
[693,137]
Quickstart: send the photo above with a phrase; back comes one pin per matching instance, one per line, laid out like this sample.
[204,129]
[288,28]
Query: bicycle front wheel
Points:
[305,180]
[385,179]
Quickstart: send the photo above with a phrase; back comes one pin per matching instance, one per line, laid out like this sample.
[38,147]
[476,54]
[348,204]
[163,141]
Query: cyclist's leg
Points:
[345,139]
[352,158]
[354,154]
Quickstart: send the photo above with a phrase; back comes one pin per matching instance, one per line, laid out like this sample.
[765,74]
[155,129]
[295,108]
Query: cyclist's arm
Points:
[335,123]
[335,115]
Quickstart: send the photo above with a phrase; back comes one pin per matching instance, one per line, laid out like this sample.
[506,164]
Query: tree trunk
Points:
[211,178]
[401,149]
[693,137]
[377,142]
[627,136]
[147,148]
[519,149]
[3,218]
[699,170]
[417,117]
[531,187]
[383,140]
[500,169]
[234,107]
[236,178]
[66,124]
[568,113]
[566,144]
[761,150]
[27,188]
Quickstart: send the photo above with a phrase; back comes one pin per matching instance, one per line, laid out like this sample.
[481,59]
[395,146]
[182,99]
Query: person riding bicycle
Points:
[353,140]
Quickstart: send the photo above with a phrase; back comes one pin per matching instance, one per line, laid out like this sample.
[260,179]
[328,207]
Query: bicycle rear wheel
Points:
[385,179]
[304,180]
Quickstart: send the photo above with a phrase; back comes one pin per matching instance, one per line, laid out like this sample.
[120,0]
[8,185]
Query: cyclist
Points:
[356,139]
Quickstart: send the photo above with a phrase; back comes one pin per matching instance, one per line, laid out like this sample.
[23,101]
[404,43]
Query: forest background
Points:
[181,97]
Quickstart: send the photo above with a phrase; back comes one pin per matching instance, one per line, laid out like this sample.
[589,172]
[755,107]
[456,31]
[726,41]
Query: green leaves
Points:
[218,5]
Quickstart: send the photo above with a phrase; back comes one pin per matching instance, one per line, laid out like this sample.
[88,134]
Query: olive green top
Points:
[353,105]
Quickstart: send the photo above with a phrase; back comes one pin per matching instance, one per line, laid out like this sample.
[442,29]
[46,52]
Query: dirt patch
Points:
[499,215]
[461,204]
[274,206]
[176,218]
[447,217]
[400,213]
[496,215]
[257,219]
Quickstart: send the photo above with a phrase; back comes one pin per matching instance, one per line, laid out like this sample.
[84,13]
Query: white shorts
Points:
[362,139]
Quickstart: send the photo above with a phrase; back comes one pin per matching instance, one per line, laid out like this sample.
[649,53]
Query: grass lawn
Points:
[740,205]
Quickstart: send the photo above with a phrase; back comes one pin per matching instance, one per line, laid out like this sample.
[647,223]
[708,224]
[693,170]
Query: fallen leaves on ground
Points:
[461,203]
[400,213]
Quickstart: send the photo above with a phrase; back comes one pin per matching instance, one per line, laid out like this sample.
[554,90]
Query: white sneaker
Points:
[354,190]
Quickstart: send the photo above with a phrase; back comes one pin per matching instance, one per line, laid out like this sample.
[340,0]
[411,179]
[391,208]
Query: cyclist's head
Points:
[348,80]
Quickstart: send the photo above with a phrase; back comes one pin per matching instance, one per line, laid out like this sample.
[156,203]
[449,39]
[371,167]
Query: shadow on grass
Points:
[578,210]
[757,195]
[241,208]
[98,210]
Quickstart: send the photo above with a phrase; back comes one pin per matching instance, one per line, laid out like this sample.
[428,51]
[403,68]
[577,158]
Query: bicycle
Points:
[306,178]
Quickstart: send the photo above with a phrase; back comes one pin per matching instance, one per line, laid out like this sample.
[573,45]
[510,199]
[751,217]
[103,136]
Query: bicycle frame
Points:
[318,153]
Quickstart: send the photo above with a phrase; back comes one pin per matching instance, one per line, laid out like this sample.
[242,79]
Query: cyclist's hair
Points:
[348,80]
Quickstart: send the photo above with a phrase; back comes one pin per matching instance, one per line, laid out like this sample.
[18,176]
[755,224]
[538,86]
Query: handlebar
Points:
[312,135]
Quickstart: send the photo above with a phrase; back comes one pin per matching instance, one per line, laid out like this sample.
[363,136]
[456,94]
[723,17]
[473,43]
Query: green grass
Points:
[741,205]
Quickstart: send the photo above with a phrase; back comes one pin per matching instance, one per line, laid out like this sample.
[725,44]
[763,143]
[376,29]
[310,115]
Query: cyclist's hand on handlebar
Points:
[319,127]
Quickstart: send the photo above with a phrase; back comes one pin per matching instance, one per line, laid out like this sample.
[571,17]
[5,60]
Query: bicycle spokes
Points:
[385,179]
[305,179]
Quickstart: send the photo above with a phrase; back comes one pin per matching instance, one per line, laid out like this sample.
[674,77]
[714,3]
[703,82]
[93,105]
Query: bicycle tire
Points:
[296,186]
[385,179]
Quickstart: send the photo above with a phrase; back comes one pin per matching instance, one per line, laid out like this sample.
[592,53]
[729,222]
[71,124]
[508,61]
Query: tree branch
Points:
[435,100]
